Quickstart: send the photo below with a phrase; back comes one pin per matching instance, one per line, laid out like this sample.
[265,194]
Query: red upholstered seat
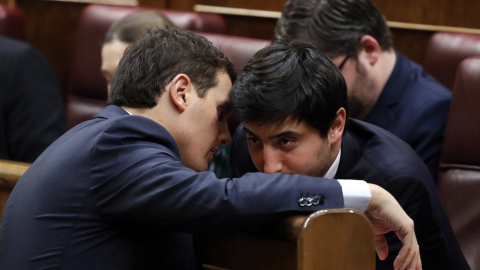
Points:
[87,89]
[459,173]
[12,22]
[444,53]
[239,50]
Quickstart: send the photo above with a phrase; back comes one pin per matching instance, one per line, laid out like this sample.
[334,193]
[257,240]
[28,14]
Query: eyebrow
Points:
[287,133]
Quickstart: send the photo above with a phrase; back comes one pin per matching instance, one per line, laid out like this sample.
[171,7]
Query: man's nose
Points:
[224,134]
[272,161]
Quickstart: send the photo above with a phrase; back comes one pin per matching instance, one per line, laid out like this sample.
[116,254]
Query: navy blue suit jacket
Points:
[372,154]
[112,193]
[32,115]
[414,106]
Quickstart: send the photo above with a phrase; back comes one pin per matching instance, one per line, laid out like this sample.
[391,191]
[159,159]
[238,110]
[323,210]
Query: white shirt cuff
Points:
[356,194]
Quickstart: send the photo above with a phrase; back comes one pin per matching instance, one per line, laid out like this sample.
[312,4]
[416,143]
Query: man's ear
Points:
[370,49]
[180,90]
[338,126]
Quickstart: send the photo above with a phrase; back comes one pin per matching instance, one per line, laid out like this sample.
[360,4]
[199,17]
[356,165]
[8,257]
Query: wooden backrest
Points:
[10,172]
[348,231]
[239,50]
[326,239]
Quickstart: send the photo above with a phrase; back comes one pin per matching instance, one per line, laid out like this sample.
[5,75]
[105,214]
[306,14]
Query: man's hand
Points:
[387,215]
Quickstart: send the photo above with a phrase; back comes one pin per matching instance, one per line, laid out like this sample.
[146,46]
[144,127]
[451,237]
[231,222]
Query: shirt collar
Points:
[127,112]
[333,169]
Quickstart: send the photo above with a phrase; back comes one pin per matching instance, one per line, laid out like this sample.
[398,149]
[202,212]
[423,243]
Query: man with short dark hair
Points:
[384,87]
[129,188]
[292,102]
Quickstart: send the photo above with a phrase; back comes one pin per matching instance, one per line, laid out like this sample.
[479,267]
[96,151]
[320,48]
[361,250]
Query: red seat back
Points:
[239,50]
[444,53]
[12,22]
[459,172]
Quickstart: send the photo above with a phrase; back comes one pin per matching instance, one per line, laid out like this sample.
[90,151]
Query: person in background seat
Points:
[32,113]
[384,87]
[123,33]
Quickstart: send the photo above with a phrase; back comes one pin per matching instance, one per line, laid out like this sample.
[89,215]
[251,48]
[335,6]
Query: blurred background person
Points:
[32,113]
[384,87]
[124,32]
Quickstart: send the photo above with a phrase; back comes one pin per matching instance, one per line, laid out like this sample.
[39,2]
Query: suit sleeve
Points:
[144,183]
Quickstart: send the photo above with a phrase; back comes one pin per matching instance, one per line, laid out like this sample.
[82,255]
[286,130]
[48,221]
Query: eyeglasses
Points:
[343,62]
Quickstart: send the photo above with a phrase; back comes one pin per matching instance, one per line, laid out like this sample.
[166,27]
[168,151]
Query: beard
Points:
[361,94]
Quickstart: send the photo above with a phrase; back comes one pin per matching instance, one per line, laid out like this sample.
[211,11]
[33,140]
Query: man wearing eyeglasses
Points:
[384,87]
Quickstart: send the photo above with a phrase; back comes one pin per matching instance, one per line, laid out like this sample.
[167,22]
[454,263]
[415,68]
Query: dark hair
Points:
[152,62]
[289,80]
[334,26]
[130,28]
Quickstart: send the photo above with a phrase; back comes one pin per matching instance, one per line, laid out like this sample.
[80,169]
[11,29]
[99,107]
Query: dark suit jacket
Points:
[32,115]
[370,153]
[414,106]
[112,193]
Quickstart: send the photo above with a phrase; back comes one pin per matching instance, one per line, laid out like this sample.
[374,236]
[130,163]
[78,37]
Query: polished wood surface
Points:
[277,14]
[249,251]
[409,38]
[336,239]
[327,239]
[459,13]
[51,27]
[10,172]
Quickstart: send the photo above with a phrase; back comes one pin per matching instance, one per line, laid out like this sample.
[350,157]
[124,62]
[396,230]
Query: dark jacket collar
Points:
[351,148]
[111,111]
[383,111]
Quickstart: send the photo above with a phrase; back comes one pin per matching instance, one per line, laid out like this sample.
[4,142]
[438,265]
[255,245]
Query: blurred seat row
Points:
[452,58]
[12,22]
[86,93]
